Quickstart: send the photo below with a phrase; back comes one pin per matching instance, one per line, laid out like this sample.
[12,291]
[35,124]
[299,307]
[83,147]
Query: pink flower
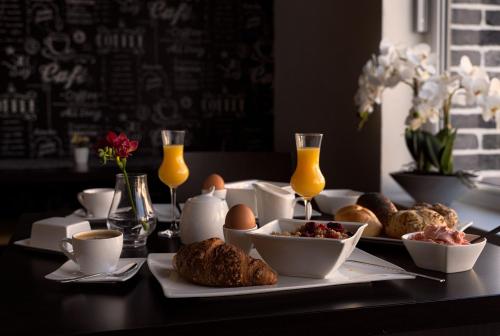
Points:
[121,145]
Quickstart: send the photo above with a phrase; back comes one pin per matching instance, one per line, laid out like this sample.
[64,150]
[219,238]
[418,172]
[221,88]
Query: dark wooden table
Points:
[468,303]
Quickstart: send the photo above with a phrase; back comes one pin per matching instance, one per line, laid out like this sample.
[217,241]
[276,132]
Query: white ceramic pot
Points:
[202,217]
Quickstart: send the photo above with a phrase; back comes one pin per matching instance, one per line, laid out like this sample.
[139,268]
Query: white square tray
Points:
[174,286]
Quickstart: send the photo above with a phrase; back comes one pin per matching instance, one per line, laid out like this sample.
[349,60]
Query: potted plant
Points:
[429,133]
[80,145]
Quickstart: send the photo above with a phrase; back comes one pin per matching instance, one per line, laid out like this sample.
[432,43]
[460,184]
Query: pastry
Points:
[380,205]
[448,213]
[212,262]
[357,213]
[413,220]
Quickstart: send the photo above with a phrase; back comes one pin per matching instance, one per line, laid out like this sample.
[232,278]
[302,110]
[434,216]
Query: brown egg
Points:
[213,180]
[240,217]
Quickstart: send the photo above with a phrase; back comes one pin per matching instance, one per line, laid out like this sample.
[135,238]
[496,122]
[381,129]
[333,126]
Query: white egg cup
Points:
[239,238]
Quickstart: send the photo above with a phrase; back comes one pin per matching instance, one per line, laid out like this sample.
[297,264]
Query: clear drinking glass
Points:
[307,180]
[173,171]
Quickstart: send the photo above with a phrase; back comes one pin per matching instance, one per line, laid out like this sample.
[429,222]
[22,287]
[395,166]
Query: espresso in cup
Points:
[96,201]
[95,251]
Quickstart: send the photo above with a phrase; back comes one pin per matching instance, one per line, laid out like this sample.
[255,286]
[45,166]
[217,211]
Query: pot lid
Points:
[206,197]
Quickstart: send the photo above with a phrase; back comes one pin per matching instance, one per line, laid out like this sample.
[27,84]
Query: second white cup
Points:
[96,201]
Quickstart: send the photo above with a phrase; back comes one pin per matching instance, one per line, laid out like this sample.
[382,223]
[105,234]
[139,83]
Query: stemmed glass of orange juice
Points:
[307,180]
[173,171]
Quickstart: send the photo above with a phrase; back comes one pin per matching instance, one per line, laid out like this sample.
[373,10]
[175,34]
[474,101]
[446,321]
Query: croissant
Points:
[212,262]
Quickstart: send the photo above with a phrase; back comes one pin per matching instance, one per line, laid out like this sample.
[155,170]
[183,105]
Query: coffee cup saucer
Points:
[70,269]
[83,214]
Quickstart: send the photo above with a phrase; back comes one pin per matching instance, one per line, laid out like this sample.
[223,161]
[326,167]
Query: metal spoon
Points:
[400,271]
[118,273]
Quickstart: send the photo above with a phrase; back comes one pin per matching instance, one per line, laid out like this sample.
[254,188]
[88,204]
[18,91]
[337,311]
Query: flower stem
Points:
[127,183]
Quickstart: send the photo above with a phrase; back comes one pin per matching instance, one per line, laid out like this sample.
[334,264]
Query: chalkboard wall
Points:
[136,66]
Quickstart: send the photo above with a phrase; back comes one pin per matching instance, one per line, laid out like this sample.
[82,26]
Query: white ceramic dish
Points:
[393,241]
[331,200]
[69,269]
[47,233]
[164,212]
[174,286]
[27,243]
[302,256]
[242,192]
[239,238]
[82,214]
[444,258]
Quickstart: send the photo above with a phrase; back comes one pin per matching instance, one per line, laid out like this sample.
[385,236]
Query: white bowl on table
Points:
[443,258]
[331,200]
[303,256]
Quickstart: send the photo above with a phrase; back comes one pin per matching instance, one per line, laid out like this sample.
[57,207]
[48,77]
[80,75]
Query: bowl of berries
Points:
[312,249]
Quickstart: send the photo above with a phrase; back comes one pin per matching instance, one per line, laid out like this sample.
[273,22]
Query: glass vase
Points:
[132,211]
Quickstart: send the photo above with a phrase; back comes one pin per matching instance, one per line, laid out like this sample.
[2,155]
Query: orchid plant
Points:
[119,148]
[433,94]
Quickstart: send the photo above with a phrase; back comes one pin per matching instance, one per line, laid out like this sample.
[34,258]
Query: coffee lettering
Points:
[52,73]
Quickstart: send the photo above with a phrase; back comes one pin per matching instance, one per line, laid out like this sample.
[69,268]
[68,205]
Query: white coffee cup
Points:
[95,251]
[96,201]
[274,202]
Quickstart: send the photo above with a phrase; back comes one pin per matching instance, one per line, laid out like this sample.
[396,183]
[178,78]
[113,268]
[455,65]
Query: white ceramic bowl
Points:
[331,200]
[443,258]
[239,238]
[302,256]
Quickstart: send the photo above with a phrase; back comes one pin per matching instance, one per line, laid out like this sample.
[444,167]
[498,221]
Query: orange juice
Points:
[307,180]
[173,170]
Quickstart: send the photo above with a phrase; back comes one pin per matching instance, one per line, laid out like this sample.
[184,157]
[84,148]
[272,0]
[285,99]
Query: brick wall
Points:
[475,32]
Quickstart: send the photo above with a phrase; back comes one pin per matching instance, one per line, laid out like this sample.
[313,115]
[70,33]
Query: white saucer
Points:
[69,269]
[82,214]
[27,243]
[164,211]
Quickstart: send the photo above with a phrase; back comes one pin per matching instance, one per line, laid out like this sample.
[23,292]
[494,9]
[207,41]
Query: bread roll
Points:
[406,221]
[450,215]
[357,213]
[380,205]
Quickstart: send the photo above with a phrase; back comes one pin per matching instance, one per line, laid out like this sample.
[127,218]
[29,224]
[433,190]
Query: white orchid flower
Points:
[419,54]
[475,80]
[491,103]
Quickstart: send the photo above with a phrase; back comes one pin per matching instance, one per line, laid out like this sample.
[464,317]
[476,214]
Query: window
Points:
[473,29]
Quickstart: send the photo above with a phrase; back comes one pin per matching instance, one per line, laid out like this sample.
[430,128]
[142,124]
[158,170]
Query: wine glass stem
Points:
[307,209]
[173,201]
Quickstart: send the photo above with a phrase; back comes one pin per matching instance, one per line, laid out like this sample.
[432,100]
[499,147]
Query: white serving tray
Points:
[174,286]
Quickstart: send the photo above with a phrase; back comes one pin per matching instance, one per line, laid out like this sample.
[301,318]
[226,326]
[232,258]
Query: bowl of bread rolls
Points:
[385,220]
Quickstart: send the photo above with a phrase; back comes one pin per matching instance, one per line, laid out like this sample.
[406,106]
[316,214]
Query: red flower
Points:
[121,145]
